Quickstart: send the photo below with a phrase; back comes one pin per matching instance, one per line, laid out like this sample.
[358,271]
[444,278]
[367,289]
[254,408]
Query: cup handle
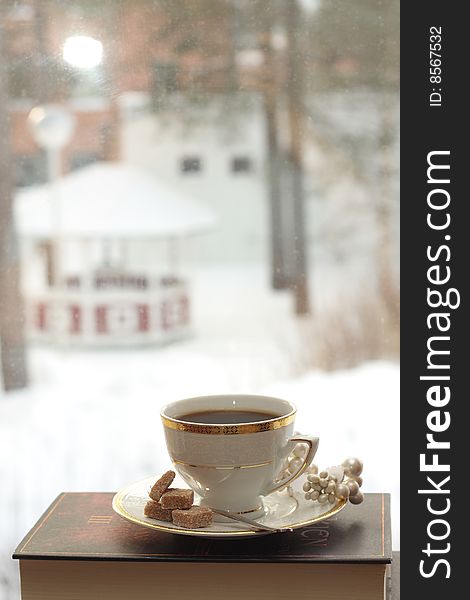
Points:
[312,443]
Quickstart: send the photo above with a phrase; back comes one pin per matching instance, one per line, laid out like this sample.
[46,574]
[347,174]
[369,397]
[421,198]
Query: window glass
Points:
[191,164]
[241,164]
[196,197]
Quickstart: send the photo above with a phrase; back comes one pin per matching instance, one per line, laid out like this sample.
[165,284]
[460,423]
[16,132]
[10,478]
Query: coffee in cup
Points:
[230,449]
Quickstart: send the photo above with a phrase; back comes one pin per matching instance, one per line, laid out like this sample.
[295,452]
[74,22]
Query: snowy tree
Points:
[12,348]
[209,43]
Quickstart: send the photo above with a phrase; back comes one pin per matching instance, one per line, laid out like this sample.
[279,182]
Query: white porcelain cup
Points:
[232,465]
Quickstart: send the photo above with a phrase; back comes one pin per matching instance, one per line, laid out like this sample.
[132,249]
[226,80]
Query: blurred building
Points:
[137,57]
[102,257]
[124,110]
[128,109]
[220,160]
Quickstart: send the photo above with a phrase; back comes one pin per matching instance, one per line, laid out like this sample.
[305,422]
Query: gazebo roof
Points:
[109,200]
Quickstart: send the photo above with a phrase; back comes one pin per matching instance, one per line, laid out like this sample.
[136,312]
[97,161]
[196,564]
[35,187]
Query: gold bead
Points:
[357,498]
[342,491]
[352,466]
[353,487]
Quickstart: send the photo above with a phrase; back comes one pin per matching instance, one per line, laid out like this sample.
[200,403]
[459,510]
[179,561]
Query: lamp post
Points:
[52,127]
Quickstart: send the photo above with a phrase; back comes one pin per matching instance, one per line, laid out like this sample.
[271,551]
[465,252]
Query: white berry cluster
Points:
[342,483]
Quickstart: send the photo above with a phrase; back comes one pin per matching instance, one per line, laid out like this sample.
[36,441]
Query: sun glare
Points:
[83,52]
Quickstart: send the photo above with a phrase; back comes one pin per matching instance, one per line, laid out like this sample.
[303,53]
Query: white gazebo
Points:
[102,257]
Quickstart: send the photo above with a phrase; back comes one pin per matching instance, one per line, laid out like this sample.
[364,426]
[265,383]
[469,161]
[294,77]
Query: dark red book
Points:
[394,578]
[81,549]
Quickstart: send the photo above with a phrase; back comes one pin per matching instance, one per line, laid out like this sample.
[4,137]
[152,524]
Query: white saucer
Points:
[282,510]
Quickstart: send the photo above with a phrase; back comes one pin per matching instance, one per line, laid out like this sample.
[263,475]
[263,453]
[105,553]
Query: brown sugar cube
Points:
[177,498]
[195,517]
[154,510]
[161,486]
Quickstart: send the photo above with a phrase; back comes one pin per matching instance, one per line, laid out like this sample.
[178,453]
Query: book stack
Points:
[80,549]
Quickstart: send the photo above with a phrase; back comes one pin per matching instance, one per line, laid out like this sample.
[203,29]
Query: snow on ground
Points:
[355,413]
[90,419]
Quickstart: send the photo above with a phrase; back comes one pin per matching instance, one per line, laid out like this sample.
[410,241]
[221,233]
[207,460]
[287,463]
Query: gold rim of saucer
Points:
[228,429]
[120,509]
